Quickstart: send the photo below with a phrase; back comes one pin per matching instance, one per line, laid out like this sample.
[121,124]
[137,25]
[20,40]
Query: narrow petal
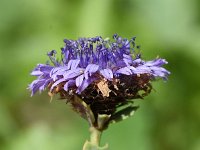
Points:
[141,70]
[36,73]
[73,73]
[46,83]
[56,83]
[73,64]
[53,74]
[124,70]
[69,84]
[84,85]
[41,69]
[159,72]
[107,73]
[58,71]
[79,80]
[127,59]
[90,69]
[156,62]
[138,61]
[131,68]
[154,68]
[46,68]
[35,85]
[54,70]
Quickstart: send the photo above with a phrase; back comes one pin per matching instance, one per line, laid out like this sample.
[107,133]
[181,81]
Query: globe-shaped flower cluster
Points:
[103,74]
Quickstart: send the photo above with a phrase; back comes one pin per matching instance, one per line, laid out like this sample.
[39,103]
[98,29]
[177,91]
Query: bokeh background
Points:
[167,119]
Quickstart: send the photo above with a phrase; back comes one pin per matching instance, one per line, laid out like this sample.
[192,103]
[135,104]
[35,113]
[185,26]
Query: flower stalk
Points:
[95,136]
[94,143]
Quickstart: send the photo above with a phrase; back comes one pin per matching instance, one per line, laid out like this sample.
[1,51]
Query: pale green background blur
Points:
[168,119]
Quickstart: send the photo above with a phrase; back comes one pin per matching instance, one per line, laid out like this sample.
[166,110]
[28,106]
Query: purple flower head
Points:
[104,73]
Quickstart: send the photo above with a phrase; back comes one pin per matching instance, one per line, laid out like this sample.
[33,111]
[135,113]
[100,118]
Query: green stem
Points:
[95,136]
[94,143]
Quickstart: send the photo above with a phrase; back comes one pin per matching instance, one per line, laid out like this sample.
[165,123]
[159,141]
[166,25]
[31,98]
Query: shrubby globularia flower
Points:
[103,74]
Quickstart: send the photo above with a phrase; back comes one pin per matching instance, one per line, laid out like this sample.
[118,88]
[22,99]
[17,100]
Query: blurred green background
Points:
[167,119]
